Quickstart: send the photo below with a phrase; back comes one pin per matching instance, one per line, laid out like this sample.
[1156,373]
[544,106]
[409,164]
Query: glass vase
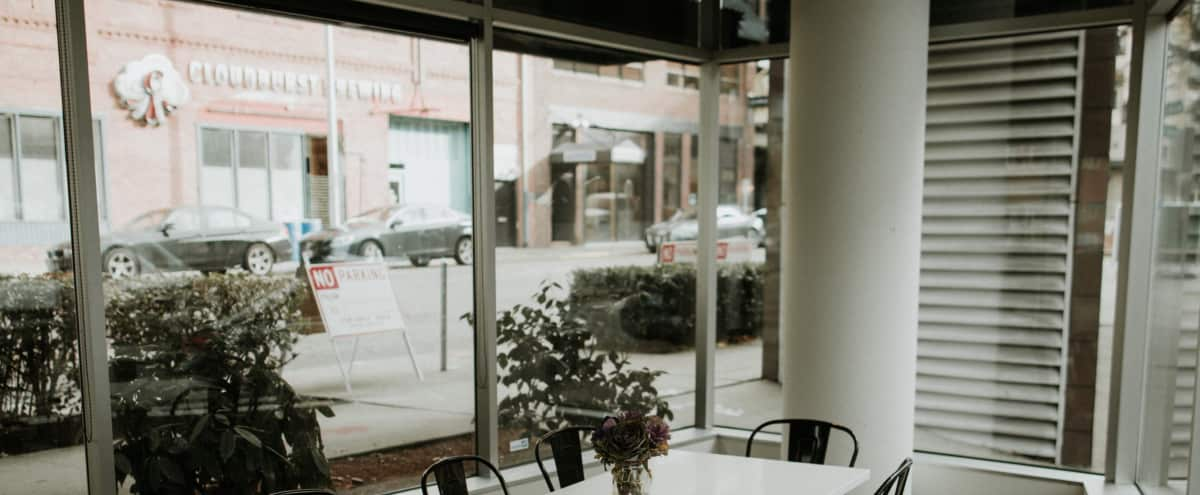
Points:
[630,478]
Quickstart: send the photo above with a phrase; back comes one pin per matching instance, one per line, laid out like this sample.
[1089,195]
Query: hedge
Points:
[652,308]
[199,404]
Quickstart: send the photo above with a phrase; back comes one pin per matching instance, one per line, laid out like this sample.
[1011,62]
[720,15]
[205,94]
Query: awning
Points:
[625,151]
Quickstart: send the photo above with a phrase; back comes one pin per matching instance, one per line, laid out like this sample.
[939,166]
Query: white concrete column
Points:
[852,221]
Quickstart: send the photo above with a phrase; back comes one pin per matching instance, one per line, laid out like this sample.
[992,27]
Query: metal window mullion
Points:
[483,215]
[85,244]
[1135,250]
[706,261]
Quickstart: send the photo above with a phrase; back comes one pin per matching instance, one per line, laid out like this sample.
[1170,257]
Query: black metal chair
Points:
[306,491]
[451,475]
[808,439]
[897,480]
[567,449]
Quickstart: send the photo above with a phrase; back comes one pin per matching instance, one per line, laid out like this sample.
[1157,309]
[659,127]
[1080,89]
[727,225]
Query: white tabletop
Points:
[685,473]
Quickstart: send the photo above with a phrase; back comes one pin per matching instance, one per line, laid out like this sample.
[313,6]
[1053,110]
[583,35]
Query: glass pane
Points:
[282,343]
[1015,316]
[40,170]
[1174,306]
[287,177]
[8,182]
[747,366]
[41,407]
[956,11]
[216,169]
[667,20]
[253,185]
[591,184]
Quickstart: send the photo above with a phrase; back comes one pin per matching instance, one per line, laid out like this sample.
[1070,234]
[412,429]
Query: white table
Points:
[686,473]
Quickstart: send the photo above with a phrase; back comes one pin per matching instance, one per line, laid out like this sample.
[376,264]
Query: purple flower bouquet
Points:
[626,443]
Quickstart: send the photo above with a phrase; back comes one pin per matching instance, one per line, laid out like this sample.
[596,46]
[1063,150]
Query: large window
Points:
[1170,393]
[1014,325]
[748,390]
[41,408]
[590,323]
[240,352]
[288,239]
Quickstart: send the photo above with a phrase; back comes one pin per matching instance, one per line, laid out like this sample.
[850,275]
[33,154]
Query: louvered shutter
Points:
[1000,160]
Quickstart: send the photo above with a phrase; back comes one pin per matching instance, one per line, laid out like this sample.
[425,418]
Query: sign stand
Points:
[352,302]
[347,367]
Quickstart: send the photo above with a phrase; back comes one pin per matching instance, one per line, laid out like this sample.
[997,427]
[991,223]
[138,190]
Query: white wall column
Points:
[852,221]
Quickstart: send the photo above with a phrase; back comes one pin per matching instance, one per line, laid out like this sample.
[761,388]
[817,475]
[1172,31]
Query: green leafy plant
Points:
[199,403]
[555,376]
[40,401]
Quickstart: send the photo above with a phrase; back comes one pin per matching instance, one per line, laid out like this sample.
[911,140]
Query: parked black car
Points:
[731,224]
[418,232]
[205,238]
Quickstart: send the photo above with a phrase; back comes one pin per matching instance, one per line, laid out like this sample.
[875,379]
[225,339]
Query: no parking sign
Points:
[355,298]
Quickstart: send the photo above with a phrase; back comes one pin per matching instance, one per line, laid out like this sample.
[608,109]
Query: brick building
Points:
[242,121]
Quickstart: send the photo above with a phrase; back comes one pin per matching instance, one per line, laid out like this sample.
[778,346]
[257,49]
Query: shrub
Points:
[40,399]
[652,308]
[199,404]
[205,409]
[554,374]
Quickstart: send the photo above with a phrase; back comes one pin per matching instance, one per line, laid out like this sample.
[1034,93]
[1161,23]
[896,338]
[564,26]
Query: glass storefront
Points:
[250,161]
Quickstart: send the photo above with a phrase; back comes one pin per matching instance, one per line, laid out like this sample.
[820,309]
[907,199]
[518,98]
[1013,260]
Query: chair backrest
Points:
[567,450]
[451,475]
[808,439]
[897,480]
[306,491]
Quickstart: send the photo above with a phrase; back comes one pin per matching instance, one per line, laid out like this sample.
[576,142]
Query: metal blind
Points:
[1000,161]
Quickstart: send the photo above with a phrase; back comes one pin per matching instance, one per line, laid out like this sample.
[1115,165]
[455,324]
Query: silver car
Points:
[731,224]
[418,232]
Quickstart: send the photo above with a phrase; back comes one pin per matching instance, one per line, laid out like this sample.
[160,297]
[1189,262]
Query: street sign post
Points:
[356,299]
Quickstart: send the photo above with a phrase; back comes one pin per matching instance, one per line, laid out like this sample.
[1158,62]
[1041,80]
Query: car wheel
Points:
[652,247]
[419,260]
[371,251]
[464,251]
[259,259]
[121,262]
